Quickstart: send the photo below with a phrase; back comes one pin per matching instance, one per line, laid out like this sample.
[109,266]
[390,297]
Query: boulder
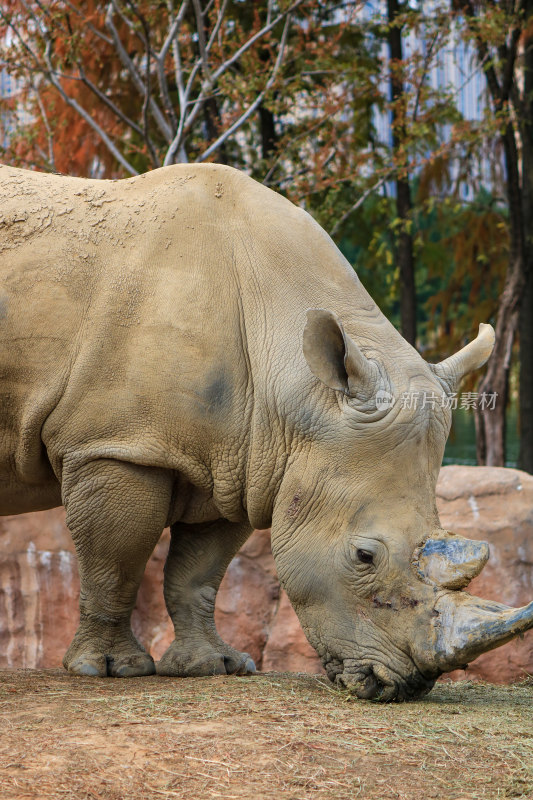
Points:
[39,583]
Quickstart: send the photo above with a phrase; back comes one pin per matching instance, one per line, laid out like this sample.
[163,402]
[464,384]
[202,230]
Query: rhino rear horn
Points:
[335,359]
[471,357]
[451,561]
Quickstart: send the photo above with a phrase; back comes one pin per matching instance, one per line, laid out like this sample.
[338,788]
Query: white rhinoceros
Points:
[188,348]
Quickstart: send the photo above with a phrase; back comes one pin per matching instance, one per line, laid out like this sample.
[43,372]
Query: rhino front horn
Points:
[471,357]
[450,561]
[468,626]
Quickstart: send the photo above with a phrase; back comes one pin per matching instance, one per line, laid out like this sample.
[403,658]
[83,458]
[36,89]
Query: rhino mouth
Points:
[377,682]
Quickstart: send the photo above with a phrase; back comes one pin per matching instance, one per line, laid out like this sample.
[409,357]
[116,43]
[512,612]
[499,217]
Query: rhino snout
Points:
[377,682]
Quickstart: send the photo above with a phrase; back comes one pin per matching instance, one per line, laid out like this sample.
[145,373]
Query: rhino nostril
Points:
[333,668]
[369,688]
[365,686]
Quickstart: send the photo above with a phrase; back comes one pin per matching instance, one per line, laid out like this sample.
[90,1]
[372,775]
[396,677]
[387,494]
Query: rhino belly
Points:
[27,480]
[17,497]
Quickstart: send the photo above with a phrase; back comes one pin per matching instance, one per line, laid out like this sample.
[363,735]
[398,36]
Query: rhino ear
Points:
[334,358]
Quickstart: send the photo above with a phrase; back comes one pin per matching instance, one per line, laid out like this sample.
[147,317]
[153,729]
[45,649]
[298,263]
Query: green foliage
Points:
[461,251]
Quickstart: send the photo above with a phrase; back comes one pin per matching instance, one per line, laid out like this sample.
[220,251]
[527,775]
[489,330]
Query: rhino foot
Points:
[91,665]
[107,650]
[193,661]
[102,666]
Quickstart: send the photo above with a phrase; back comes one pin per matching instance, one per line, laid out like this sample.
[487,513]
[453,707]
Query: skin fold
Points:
[188,348]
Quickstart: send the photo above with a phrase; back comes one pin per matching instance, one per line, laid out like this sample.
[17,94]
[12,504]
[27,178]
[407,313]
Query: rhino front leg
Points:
[116,513]
[198,558]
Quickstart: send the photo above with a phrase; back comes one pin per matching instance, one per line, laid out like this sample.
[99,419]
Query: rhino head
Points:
[376,582]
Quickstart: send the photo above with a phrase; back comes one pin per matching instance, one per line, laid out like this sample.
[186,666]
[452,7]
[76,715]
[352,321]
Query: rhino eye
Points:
[364,556]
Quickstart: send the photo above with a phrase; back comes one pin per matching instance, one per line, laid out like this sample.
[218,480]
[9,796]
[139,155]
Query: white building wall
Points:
[453,69]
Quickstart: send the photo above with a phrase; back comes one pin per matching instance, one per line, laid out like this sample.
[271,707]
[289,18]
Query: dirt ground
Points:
[272,735]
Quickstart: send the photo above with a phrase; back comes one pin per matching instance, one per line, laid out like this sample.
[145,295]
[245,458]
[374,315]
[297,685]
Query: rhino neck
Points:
[287,401]
[283,267]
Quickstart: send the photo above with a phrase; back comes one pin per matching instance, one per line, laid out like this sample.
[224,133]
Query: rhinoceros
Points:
[187,348]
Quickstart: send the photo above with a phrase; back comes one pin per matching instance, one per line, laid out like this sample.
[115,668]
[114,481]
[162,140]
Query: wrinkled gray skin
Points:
[187,348]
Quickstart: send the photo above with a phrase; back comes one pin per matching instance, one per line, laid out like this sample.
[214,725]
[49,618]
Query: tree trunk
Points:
[268,132]
[404,245]
[525,458]
[212,127]
[210,109]
[404,254]
[502,86]
[490,424]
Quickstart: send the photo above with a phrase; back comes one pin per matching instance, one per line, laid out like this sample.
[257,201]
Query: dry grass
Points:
[274,735]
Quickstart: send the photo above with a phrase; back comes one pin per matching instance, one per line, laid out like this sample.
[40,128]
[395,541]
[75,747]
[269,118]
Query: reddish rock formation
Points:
[39,589]
[287,649]
[39,582]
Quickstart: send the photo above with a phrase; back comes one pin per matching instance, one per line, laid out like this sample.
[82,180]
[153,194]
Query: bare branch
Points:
[200,28]
[509,64]
[253,39]
[147,82]
[106,100]
[165,94]
[160,58]
[21,39]
[427,60]
[87,24]
[484,57]
[85,115]
[216,28]
[121,50]
[124,18]
[159,117]
[49,133]
[172,38]
[187,119]
[360,201]
[258,100]
[173,30]
[270,8]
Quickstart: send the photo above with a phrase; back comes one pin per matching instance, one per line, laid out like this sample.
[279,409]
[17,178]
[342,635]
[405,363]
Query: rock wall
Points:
[39,583]
[39,589]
